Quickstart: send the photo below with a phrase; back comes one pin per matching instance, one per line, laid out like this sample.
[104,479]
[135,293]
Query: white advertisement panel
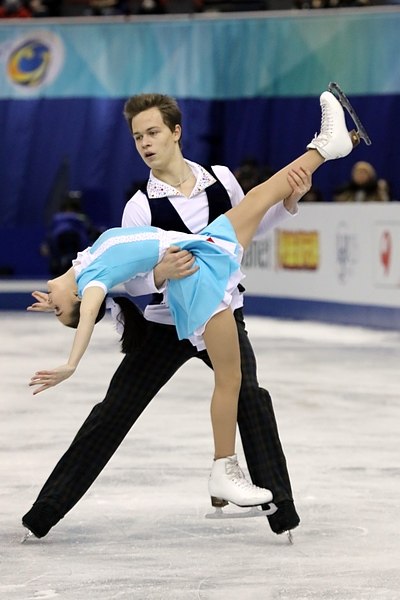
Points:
[330,252]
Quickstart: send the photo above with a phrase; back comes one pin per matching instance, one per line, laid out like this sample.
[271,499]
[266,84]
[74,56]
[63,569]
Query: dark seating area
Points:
[79,8]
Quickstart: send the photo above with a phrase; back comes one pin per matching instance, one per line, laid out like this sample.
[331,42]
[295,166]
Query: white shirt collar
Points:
[158,189]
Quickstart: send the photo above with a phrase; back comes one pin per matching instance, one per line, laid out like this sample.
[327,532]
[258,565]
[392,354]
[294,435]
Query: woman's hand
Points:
[41,304]
[47,379]
[300,181]
[176,264]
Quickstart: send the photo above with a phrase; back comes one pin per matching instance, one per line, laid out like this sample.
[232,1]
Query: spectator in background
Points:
[105,8]
[46,8]
[70,232]
[363,186]
[29,9]
[249,174]
[153,7]
[15,9]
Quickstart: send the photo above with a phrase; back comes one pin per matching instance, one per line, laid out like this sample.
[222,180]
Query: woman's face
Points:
[61,299]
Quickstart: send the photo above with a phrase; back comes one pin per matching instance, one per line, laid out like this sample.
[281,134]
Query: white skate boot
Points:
[333,141]
[227,483]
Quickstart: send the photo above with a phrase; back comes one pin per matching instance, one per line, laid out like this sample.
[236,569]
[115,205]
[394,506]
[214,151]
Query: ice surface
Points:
[141,532]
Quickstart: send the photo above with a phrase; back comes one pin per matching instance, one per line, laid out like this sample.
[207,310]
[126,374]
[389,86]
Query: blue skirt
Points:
[194,299]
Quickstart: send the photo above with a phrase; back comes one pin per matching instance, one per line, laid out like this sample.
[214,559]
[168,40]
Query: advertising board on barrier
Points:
[331,253]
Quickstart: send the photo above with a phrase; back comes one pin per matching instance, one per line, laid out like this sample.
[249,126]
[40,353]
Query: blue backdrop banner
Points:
[248,87]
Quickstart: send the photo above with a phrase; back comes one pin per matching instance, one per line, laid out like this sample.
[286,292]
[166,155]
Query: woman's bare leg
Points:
[222,344]
[227,482]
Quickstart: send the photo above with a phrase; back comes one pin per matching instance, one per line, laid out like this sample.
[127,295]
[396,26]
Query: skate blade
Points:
[335,89]
[253,511]
[27,535]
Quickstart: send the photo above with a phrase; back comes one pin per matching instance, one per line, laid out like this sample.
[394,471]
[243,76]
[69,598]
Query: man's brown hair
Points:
[168,107]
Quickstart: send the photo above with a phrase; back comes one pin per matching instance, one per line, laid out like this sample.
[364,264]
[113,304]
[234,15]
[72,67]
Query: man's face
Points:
[154,141]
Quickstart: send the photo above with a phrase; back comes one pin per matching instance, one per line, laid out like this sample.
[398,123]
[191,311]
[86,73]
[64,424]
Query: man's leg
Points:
[137,380]
[260,438]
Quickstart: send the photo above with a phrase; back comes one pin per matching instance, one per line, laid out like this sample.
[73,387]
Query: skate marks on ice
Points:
[173,554]
[141,532]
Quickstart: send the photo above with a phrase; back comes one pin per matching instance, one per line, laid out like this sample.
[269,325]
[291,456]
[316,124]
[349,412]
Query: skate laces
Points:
[237,477]
[327,125]
[327,120]
[234,471]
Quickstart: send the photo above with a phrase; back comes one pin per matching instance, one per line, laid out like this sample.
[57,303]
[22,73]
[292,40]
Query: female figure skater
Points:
[199,303]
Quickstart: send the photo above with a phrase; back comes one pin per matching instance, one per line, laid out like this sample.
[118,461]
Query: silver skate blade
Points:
[254,511]
[335,89]
[27,535]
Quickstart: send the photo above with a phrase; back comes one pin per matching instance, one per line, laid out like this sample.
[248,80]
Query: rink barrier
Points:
[374,317]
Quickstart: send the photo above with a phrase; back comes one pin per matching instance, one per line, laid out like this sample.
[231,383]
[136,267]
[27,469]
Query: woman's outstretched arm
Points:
[90,305]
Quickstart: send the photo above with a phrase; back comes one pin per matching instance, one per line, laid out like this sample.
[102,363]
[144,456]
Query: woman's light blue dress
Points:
[119,254]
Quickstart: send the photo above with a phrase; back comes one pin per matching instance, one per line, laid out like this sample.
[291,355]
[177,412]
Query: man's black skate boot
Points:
[285,518]
[40,519]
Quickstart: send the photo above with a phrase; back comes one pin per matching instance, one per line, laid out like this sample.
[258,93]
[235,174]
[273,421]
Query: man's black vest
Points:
[164,215]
